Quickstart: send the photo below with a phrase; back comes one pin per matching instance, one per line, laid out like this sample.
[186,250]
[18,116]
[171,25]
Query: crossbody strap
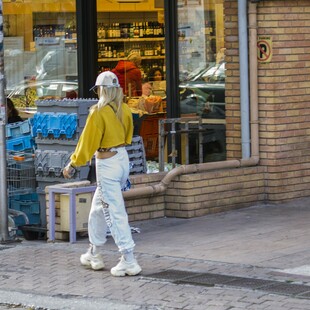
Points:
[111,106]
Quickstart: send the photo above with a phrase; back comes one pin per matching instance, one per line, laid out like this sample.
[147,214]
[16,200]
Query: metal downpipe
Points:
[244,78]
[252,12]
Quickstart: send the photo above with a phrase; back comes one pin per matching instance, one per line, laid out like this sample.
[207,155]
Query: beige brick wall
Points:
[215,191]
[284,96]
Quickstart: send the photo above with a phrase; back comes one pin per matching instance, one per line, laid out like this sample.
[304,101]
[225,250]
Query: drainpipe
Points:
[246,161]
[244,77]
[252,13]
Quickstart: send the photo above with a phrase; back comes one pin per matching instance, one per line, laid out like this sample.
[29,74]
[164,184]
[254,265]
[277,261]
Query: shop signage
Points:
[264,49]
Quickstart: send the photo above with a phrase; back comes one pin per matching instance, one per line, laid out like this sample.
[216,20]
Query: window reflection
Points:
[202,73]
[39,44]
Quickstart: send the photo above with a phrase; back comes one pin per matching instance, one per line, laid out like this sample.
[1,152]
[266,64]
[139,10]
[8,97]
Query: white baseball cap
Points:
[106,79]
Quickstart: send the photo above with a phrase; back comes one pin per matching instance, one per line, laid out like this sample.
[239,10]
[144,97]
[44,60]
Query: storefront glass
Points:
[39,47]
[202,72]
[120,34]
[131,43]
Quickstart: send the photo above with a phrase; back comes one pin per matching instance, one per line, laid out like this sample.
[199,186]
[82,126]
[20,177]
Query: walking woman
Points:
[109,127]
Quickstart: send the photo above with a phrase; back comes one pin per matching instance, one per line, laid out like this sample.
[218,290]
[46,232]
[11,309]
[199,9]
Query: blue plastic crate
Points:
[23,197]
[54,124]
[18,129]
[27,206]
[33,219]
[21,143]
[19,221]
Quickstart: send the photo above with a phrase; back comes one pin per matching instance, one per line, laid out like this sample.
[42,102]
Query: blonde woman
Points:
[109,127]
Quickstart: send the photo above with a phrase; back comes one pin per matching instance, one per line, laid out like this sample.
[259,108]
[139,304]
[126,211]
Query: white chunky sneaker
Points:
[124,268]
[94,261]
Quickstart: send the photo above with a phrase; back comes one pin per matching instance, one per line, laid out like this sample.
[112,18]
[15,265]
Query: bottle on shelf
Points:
[110,54]
[131,30]
[151,29]
[136,30]
[117,30]
[101,31]
[141,30]
[163,50]
[110,31]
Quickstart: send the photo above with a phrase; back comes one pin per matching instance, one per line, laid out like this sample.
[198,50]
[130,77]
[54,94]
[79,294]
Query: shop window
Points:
[139,38]
[120,34]
[39,46]
[202,73]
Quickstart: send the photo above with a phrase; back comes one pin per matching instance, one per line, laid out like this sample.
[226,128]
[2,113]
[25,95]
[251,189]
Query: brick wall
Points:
[199,194]
[284,96]
[284,99]
[146,208]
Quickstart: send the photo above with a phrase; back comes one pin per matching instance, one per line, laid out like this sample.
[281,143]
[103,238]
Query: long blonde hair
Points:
[108,95]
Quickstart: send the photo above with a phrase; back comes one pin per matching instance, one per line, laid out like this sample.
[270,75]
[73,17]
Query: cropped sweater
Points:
[102,130]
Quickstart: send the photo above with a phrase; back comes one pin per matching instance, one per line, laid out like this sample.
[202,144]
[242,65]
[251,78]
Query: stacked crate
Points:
[21,180]
[56,127]
[28,204]
[136,154]
[19,138]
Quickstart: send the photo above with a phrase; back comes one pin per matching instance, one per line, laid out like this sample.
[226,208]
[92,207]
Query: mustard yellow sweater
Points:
[102,130]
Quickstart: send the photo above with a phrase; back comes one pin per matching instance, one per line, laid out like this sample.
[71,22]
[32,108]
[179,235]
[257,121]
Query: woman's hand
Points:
[68,171]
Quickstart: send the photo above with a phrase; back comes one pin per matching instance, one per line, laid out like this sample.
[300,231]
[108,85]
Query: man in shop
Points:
[129,75]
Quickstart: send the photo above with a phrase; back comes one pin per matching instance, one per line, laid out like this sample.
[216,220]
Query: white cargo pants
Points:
[108,207]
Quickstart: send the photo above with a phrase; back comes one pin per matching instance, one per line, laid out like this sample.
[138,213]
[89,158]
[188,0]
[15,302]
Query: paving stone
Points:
[256,243]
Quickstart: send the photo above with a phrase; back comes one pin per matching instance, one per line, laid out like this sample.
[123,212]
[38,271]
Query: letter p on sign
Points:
[264,49]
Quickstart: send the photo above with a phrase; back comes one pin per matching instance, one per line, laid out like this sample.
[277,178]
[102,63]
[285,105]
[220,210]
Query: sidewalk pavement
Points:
[256,258]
